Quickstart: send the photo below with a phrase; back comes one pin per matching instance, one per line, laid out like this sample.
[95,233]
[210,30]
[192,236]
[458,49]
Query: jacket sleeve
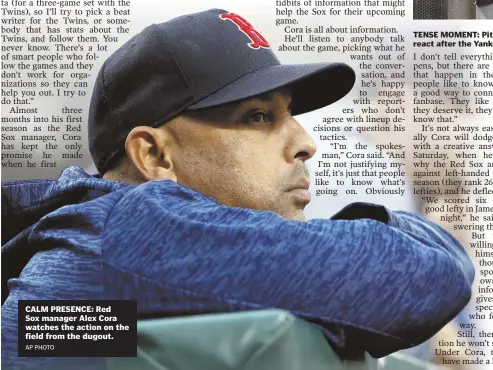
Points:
[378,285]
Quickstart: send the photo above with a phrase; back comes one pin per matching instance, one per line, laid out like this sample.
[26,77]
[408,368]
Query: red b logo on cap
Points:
[258,41]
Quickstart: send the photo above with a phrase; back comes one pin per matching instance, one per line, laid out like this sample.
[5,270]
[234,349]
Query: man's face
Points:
[248,154]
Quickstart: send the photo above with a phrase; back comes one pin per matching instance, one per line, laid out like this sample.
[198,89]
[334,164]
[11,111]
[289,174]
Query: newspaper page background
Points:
[415,133]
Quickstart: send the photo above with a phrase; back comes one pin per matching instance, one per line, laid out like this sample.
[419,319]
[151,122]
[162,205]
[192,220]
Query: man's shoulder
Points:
[165,192]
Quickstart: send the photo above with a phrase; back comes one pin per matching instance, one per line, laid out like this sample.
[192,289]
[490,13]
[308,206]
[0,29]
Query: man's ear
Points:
[148,149]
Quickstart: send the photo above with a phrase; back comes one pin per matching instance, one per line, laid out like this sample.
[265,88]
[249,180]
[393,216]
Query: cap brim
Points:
[313,86]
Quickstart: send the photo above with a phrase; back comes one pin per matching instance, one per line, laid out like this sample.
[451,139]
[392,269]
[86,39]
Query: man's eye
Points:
[258,117]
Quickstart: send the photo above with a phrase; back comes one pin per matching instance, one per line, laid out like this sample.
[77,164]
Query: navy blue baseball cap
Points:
[194,62]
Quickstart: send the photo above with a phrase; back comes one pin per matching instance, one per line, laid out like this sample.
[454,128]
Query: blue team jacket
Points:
[372,279]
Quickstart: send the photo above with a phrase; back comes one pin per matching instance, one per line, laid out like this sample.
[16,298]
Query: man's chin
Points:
[294,215]
[300,217]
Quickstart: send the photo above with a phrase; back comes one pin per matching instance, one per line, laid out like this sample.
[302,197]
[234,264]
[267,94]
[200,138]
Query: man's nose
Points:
[304,146]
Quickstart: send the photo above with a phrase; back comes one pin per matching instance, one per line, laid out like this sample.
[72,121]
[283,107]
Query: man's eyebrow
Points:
[269,96]
[264,97]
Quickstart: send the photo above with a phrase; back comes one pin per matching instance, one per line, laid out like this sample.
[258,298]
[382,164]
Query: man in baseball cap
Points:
[209,94]
[199,203]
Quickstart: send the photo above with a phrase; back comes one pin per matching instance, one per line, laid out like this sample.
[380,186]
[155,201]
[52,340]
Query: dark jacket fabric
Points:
[372,279]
